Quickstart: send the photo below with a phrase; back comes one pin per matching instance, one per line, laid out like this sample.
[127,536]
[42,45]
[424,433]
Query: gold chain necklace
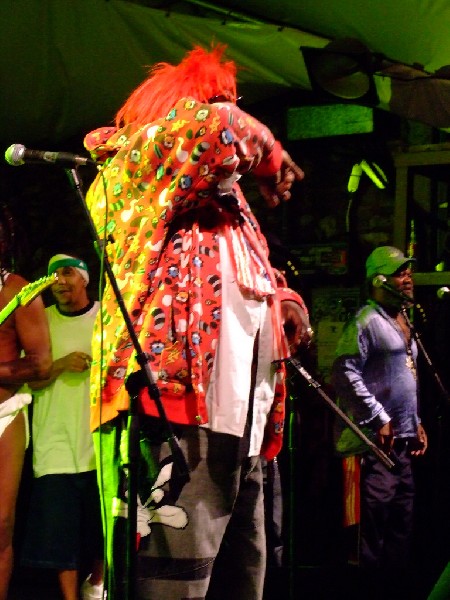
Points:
[410,361]
[408,343]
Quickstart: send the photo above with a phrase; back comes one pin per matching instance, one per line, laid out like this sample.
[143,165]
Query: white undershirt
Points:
[227,397]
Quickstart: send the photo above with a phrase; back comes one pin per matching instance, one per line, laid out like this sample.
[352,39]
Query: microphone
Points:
[379,281]
[355,176]
[443,292]
[17,155]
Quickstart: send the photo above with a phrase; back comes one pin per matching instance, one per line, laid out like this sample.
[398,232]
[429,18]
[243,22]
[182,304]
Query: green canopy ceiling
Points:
[66,65]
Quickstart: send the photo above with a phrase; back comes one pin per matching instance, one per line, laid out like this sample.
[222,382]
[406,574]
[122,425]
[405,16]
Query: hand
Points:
[296,325]
[385,437]
[422,440]
[75,362]
[278,188]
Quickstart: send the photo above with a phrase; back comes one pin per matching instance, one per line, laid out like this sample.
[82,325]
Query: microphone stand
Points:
[380,455]
[350,219]
[135,382]
[445,395]
[292,447]
[427,358]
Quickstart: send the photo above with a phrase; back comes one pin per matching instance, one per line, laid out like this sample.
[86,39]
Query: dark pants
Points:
[64,522]
[273,510]
[387,498]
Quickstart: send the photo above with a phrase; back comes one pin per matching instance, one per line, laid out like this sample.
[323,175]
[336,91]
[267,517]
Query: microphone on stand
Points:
[17,155]
[443,292]
[380,281]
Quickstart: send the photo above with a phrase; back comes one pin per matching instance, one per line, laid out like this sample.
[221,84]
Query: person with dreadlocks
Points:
[25,353]
[208,310]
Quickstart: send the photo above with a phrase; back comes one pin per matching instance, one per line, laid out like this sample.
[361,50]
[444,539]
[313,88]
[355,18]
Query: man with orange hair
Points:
[208,311]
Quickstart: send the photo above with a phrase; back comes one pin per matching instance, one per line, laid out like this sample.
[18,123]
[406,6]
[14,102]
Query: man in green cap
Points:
[375,379]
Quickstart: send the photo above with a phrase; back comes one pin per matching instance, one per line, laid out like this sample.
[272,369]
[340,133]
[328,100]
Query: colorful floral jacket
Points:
[164,192]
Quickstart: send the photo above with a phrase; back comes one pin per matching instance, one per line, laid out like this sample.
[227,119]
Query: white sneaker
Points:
[92,592]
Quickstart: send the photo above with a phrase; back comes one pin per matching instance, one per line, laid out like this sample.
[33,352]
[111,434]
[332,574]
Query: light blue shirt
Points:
[371,375]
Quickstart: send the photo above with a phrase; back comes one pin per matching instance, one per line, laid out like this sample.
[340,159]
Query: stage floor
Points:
[305,582]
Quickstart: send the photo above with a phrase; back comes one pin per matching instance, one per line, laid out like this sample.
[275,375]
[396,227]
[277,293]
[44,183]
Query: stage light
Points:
[375,173]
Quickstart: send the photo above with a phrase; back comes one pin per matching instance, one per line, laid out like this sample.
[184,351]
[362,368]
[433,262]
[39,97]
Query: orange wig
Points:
[201,75]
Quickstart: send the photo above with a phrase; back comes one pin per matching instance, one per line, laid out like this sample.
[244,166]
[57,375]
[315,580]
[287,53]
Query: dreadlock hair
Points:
[202,75]
[7,241]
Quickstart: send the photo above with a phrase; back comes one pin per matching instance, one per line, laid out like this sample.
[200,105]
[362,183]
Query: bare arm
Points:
[75,362]
[26,330]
